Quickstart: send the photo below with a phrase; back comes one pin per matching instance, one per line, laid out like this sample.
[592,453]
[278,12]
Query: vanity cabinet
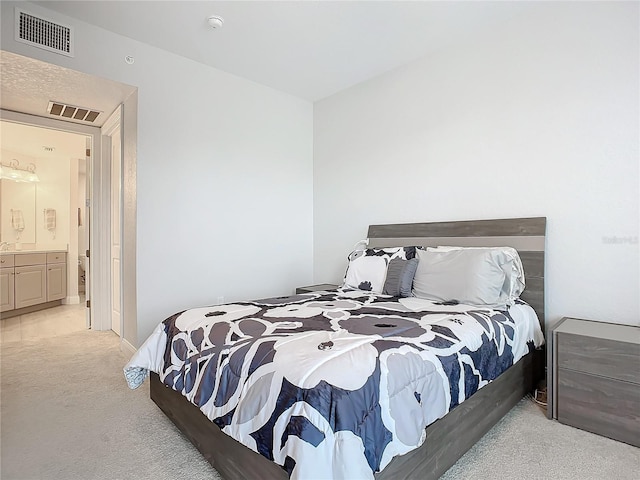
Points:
[30,279]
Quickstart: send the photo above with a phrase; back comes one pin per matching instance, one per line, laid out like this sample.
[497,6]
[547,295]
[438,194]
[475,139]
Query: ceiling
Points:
[30,141]
[27,85]
[310,49]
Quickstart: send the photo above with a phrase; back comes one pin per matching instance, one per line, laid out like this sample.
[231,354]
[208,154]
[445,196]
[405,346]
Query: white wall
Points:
[224,174]
[72,256]
[538,118]
[53,191]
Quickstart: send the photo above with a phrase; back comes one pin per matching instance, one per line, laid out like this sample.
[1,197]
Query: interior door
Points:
[116,161]
[112,160]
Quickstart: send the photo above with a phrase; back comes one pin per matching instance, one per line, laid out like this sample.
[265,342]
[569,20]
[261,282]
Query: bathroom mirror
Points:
[17,212]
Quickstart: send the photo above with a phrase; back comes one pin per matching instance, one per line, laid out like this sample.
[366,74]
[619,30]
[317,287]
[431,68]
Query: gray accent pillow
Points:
[470,276]
[400,277]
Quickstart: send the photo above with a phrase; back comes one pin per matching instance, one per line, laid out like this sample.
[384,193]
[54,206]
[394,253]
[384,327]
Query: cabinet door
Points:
[7,298]
[56,281]
[30,285]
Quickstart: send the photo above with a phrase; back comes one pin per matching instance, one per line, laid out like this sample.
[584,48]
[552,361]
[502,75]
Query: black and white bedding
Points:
[333,384]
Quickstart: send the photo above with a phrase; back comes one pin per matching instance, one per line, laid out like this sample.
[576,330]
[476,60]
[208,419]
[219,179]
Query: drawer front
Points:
[24,259]
[598,356]
[6,261]
[600,405]
[56,257]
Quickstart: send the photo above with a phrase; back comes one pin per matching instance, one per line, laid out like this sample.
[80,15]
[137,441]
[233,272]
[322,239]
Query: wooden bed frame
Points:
[447,438]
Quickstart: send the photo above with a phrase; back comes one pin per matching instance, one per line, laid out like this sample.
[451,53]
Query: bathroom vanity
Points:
[31,281]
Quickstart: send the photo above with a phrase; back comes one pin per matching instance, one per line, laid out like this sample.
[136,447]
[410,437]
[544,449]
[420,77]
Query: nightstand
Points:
[316,288]
[596,378]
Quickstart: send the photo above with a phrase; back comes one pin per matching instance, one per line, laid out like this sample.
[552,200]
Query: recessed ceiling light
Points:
[48,149]
[215,21]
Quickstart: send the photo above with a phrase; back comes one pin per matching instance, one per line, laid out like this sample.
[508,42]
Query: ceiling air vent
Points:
[43,33]
[58,109]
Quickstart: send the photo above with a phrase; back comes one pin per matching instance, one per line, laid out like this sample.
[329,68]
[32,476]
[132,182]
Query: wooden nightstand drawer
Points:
[600,405]
[599,356]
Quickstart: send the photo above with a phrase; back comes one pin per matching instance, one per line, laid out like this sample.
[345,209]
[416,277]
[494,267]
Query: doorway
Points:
[106,95]
[50,204]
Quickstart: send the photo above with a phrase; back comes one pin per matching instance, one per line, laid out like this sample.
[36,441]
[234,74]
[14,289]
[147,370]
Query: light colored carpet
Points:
[67,414]
[526,445]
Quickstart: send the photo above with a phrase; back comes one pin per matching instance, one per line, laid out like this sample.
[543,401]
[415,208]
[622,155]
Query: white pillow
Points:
[368,268]
[366,273]
[512,265]
[469,276]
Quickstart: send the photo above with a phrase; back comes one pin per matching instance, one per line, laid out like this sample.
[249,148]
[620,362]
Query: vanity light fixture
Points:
[13,171]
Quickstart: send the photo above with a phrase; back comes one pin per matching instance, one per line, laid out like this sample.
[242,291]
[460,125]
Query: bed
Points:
[495,390]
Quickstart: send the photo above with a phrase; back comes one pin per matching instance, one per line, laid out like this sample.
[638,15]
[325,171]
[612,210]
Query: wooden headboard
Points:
[526,235]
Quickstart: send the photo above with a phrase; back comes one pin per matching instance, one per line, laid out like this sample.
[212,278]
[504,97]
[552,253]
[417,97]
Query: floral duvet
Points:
[332,384]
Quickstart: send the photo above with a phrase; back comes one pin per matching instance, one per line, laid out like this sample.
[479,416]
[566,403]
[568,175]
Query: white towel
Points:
[50,218]
[17,220]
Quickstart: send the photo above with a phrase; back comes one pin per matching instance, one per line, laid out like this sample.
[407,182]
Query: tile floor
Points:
[50,322]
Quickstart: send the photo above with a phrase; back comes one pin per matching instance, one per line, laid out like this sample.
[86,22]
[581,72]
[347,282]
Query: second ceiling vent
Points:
[63,110]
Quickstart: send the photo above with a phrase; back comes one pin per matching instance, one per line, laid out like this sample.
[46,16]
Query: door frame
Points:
[98,183]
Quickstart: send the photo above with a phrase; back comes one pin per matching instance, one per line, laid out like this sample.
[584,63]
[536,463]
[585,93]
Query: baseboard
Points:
[30,309]
[71,300]
[126,347]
